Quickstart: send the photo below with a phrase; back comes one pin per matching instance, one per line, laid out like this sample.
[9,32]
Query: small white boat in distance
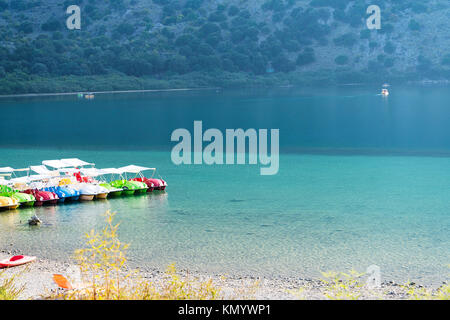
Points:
[384,92]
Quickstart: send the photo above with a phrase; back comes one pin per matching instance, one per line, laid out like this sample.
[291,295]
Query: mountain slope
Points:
[174,38]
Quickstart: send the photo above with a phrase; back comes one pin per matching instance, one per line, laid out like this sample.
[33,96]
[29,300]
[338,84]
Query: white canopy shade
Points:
[75,162]
[20,180]
[68,170]
[37,177]
[110,171]
[57,164]
[90,172]
[3,181]
[6,170]
[42,170]
[134,169]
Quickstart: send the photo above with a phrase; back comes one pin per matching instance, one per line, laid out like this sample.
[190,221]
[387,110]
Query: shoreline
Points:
[37,278]
[55,94]
[110,84]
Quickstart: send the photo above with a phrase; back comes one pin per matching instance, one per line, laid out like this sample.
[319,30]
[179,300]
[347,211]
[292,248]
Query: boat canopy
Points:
[135,169]
[3,181]
[69,170]
[20,180]
[37,177]
[57,164]
[6,170]
[42,170]
[91,172]
[110,171]
[75,162]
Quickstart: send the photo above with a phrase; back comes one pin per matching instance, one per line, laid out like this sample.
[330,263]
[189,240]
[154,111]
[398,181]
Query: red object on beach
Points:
[62,281]
[16,261]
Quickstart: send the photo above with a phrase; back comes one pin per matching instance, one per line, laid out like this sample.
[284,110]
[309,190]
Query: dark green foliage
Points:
[336,4]
[39,68]
[306,57]
[389,62]
[446,60]
[418,7]
[283,64]
[19,5]
[414,25]
[389,48]
[274,5]
[233,10]
[373,45]
[3,5]
[193,4]
[125,29]
[424,64]
[52,24]
[217,17]
[341,60]
[374,66]
[386,28]
[125,38]
[117,5]
[347,40]
[354,16]
[365,34]
[25,27]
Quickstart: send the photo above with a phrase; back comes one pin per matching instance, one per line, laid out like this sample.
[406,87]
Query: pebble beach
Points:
[38,283]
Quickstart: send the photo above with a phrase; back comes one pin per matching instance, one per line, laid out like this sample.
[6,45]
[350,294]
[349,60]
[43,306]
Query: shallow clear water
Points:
[333,211]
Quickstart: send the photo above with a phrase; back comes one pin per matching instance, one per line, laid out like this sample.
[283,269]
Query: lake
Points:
[363,180]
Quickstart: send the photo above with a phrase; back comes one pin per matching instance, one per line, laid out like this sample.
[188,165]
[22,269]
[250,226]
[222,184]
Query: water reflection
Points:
[65,224]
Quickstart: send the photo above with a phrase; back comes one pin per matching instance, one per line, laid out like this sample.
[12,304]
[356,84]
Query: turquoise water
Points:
[362,181]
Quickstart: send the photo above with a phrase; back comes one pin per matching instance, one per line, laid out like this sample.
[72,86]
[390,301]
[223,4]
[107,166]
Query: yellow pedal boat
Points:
[8,203]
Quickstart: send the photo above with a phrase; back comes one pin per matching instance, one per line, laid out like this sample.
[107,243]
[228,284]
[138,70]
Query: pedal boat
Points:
[129,188]
[119,182]
[87,176]
[152,183]
[102,192]
[113,192]
[87,191]
[6,189]
[24,199]
[43,197]
[33,186]
[63,193]
[8,203]
[159,184]
[72,182]
[102,181]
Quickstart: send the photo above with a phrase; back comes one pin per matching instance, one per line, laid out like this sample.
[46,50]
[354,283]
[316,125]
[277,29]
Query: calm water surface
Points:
[363,180]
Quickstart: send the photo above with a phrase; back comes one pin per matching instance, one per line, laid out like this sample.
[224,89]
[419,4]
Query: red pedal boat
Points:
[152,184]
[43,197]
[16,261]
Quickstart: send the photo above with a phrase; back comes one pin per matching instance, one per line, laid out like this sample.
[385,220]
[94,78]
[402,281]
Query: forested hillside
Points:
[136,44]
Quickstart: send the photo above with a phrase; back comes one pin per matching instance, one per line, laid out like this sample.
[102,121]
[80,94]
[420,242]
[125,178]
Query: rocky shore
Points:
[38,282]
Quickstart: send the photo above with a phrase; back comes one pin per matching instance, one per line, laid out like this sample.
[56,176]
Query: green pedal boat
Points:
[113,192]
[119,181]
[24,199]
[129,187]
